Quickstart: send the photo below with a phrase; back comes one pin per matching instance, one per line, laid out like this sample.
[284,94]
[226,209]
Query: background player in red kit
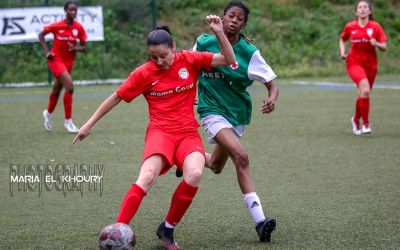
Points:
[362,63]
[168,82]
[61,61]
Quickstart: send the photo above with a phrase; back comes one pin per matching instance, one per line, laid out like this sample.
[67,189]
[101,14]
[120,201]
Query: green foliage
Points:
[298,38]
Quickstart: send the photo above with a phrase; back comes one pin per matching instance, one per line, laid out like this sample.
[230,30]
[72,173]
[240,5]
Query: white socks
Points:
[253,204]
[167,225]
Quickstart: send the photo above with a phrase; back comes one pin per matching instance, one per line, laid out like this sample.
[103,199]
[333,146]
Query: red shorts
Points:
[174,147]
[58,66]
[357,73]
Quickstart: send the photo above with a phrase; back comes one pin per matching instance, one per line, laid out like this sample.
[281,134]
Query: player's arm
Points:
[269,102]
[227,56]
[48,54]
[81,47]
[342,48]
[103,109]
[381,46]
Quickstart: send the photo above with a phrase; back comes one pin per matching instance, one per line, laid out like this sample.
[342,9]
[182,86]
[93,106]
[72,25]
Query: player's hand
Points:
[373,42]
[268,105]
[83,132]
[343,55]
[215,23]
[71,47]
[49,55]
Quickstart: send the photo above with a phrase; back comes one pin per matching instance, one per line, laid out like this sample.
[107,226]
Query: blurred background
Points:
[298,38]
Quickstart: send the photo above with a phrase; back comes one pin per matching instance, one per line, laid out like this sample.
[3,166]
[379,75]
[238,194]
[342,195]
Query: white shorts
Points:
[214,123]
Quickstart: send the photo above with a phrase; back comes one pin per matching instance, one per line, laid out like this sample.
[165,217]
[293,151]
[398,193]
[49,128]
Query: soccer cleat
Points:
[178,173]
[167,237]
[48,123]
[265,228]
[366,129]
[356,126]
[70,126]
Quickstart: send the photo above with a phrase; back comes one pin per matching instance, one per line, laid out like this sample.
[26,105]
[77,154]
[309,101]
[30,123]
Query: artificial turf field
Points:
[326,187]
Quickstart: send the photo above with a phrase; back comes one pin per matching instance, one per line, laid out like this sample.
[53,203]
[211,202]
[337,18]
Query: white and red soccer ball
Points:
[118,236]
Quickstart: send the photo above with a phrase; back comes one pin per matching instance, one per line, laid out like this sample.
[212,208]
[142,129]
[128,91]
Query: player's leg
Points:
[158,153]
[66,80]
[149,172]
[359,76]
[190,159]
[53,99]
[229,141]
[217,160]
[364,93]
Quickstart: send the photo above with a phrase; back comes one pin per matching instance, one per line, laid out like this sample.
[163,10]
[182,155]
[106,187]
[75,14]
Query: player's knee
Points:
[241,160]
[193,177]
[69,89]
[365,92]
[148,177]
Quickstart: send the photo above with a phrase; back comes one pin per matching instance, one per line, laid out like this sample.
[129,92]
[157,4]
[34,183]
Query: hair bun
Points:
[164,27]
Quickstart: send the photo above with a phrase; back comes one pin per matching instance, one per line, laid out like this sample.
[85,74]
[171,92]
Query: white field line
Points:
[337,84]
[76,82]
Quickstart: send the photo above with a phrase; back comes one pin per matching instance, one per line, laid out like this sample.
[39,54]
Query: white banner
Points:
[24,24]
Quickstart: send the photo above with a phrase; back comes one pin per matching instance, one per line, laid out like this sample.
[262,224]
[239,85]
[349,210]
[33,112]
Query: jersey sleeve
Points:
[259,70]
[202,59]
[131,87]
[380,34]
[82,35]
[345,33]
[51,28]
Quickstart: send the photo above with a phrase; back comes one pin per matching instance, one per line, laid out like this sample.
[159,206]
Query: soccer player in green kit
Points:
[225,106]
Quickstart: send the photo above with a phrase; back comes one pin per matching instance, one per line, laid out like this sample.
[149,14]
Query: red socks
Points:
[180,202]
[131,203]
[52,102]
[357,114]
[68,105]
[363,104]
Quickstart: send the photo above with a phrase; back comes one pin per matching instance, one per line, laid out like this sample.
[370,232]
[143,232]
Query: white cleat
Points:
[48,123]
[355,126]
[70,126]
[366,129]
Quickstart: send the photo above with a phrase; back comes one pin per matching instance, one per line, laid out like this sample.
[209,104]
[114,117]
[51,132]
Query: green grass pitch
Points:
[327,188]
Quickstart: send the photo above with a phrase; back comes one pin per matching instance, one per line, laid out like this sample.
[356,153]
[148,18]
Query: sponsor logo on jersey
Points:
[177,89]
[75,32]
[183,73]
[217,75]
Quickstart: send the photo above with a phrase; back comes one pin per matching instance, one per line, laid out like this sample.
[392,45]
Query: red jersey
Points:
[170,93]
[361,50]
[64,34]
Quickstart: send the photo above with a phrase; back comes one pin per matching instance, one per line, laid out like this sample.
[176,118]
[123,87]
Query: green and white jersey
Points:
[223,90]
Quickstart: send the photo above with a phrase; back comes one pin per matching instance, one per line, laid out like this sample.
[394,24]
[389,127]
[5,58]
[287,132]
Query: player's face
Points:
[234,20]
[162,55]
[363,10]
[71,11]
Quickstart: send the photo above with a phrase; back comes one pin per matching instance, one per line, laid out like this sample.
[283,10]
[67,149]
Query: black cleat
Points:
[265,228]
[178,173]
[167,237]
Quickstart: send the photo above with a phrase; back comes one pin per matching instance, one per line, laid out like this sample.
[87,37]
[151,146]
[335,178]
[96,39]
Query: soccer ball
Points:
[118,236]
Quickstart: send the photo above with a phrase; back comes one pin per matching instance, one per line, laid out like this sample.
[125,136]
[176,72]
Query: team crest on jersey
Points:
[75,32]
[183,73]
[234,66]
[369,32]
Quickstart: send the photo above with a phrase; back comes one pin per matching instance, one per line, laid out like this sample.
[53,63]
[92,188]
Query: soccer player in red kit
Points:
[168,82]
[365,36]
[60,60]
